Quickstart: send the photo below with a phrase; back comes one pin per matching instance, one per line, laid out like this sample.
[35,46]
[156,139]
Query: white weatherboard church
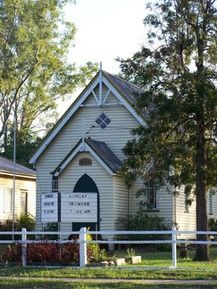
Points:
[78,164]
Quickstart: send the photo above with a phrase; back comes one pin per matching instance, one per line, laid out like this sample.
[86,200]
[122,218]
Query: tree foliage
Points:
[34,71]
[177,71]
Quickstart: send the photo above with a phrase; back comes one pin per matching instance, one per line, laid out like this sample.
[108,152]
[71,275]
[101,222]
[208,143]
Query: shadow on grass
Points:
[45,284]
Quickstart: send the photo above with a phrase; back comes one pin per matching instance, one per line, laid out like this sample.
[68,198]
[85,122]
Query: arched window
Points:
[85,184]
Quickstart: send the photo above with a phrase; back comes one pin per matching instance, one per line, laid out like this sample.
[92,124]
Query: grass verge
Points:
[108,273]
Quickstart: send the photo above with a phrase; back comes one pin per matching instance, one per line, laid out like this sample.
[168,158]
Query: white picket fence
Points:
[82,240]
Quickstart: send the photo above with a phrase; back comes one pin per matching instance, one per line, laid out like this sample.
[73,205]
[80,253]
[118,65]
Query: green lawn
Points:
[164,259]
[135,274]
[110,273]
[154,266]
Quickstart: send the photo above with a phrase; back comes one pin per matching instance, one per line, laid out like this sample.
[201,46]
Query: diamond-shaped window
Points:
[103,120]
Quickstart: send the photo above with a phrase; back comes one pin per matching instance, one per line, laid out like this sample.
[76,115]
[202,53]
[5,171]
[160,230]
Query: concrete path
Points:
[104,281]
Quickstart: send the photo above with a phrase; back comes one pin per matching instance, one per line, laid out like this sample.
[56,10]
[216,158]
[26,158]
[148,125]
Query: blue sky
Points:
[106,29]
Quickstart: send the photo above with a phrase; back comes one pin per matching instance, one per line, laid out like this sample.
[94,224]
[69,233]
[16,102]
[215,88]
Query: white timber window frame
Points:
[187,206]
[212,192]
[6,200]
[55,184]
[24,201]
[151,195]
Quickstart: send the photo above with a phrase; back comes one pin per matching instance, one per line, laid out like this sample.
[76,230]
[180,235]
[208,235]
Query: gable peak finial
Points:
[100,66]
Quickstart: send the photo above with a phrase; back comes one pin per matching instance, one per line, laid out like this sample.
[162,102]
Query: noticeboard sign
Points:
[49,207]
[79,207]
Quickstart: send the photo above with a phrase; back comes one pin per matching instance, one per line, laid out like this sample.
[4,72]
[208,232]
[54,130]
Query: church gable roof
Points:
[98,150]
[130,91]
[124,91]
[106,154]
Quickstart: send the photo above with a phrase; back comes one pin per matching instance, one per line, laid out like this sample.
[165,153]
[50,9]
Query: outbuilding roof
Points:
[7,166]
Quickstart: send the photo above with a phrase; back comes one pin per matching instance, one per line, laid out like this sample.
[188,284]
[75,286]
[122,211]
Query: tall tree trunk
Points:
[202,251]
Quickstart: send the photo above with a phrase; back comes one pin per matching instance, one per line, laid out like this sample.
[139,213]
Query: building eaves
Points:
[7,166]
[105,154]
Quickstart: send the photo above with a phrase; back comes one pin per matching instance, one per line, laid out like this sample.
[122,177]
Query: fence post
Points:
[174,247]
[83,247]
[24,247]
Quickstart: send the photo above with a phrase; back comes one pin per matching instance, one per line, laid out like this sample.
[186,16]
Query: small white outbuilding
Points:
[25,190]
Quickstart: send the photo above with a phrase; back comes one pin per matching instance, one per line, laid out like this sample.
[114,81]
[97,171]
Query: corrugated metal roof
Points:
[101,149]
[131,91]
[106,154]
[7,166]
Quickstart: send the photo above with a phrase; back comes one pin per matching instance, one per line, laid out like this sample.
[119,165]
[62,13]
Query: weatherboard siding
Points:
[68,179]
[120,201]
[212,208]
[115,136]
[164,201]
[134,199]
[165,204]
[27,185]
[185,219]
[102,179]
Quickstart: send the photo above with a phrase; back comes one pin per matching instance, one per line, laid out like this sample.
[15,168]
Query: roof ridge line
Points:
[124,80]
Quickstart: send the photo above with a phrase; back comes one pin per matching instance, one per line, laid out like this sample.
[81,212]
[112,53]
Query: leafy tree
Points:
[179,101]
[34,73]
[24,148]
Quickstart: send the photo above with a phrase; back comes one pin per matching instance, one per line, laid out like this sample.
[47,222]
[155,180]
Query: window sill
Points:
[152,210]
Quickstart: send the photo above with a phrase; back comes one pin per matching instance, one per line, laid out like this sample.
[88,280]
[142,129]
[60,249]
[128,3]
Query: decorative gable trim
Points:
[64,119]
[99,79]
[124,102]
[81,146]
[71,155]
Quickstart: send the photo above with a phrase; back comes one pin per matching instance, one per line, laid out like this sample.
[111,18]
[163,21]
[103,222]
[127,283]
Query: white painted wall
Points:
[120,201]
[115,136]
[102,179]
[21,184]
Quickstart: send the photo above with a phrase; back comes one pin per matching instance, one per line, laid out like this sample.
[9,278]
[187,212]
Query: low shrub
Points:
[42,253]
[70,253]
[53,253]
[51,227]
[96,254]
[12,253]
[212,224]
[6,226]
[143,222]
[24,221]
